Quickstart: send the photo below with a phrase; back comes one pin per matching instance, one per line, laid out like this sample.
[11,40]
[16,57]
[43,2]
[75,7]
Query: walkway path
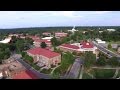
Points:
[105,68]
[81,72]
[54,69]
[116,73]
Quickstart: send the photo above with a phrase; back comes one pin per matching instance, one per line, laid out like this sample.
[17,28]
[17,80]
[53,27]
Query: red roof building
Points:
[46,33]
[45,57]
[25,75]
[38,42]
[44,52]
[60,34]
[78,47]
[87,45]
[70,46]
[33,37]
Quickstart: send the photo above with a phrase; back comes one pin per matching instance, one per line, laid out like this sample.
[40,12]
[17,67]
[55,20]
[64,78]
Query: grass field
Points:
[103,73]
[100,74]
[112,42]
[86,76]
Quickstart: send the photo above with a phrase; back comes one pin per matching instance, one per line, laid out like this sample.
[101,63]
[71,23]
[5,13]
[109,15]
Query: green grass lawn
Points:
[86,76]
[113,50]
[35,66]
[46,71]
[112,42]
[103,73]
[67,60]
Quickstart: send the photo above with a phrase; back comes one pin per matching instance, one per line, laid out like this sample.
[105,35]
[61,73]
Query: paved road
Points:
[106,51]
[75,69]
[27,66]
[81,72]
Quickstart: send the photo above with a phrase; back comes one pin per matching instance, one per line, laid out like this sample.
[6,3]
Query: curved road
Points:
[28,67]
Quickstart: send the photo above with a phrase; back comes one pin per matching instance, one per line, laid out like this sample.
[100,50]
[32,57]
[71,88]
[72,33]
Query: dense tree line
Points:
[4,52]
[20,45]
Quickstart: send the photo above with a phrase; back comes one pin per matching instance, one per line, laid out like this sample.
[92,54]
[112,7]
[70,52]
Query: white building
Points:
[73,30]
[111,30]
[99,41]
[47,38]
[1,75]
[7,40]
[100,31]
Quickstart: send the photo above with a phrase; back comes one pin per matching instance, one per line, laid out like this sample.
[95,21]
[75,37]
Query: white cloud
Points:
[101,12]
[69,14]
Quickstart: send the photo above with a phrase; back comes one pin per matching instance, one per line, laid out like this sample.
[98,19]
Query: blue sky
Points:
[19,19]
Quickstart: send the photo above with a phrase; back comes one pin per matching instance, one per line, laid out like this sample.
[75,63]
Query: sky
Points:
[21,19]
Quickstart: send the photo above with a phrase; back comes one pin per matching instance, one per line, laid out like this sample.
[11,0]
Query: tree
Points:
[55,42]
[101,61]
[28,58]
[20,45]
[23,54]
[43,45]
[29,40]
[6,53]
[90,59]
[65,40]
[113,62]
[109,46]
[12,47]
[14,39]
[74,53]
[1,57]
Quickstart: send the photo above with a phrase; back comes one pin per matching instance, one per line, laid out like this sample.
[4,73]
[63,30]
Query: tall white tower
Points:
[73,28]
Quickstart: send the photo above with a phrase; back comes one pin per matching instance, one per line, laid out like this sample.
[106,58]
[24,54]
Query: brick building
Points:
[44,58]
[46,34]
[60,34]
[78,47]
[38,42]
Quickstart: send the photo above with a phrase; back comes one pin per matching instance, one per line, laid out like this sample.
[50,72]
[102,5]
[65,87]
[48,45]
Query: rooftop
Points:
[60,33]
[87,45]
[39,40]
[44,52]
[70,46]
[7,40]
[47,38]
[25,75]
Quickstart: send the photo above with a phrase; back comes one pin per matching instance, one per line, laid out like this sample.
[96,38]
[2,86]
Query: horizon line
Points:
[63,26]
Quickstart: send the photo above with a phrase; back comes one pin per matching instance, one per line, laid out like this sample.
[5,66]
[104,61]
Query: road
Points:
[81,72]
[28,67]
[106,51]
[75,69]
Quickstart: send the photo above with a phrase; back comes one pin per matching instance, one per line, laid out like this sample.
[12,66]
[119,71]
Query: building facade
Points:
[46,34]
[44,58]
[78,47]
[38,42]
[60,34]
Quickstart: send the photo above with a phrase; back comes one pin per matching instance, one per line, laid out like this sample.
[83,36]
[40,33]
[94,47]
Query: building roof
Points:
[44,52]
[47,38]
[46,33]
[70,46]
[61,33]
[86,45]
[34,37]
[25,75]
[40,40]
[7,40]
